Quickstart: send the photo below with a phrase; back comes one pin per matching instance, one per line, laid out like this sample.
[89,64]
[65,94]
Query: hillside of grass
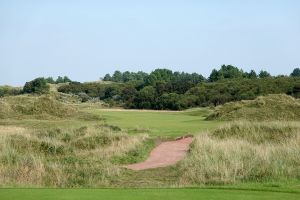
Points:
[45,106]
[264,108]
[56,157]
[244,152]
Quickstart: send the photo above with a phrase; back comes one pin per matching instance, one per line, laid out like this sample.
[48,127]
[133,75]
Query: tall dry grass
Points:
[242,152]
[62,157]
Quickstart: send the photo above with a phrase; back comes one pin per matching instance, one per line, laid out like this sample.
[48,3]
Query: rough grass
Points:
[244,152]
[62,157]
[259,132]
[264,108]
[40,107]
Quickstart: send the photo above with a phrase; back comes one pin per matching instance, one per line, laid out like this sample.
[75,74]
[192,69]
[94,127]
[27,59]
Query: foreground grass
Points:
[245,152]
[137,194]
[64,157]
[163,124]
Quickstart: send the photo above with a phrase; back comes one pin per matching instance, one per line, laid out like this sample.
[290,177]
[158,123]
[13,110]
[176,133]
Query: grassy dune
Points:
[265,108]
[244,152]
[62,157]
[53,141]
[40,107]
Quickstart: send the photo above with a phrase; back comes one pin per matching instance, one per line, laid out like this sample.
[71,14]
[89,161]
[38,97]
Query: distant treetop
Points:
[296,72]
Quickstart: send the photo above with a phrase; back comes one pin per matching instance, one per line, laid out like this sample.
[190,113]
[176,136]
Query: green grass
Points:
[95,160]
[169,124]
[137,194]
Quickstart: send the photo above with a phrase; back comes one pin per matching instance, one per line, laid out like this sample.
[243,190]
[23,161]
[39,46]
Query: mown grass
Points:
[134,194]
[161,124]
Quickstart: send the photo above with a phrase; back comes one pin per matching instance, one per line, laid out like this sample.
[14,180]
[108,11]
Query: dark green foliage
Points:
[168,95]
[38,86]
[50,80]
[296,72]
[126,76]
[226,72]
[64,79]
[264,74]
[107,77]
[252,74]
[164,89]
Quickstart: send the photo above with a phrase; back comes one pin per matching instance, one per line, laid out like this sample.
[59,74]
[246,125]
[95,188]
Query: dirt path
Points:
[165,154]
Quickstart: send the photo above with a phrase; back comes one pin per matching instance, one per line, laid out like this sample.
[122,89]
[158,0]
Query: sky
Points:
[85,39]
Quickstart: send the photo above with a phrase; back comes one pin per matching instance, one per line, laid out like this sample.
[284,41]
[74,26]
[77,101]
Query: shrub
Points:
[38,85]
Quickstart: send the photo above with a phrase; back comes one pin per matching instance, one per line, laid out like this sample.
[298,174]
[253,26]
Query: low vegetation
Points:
[67,140]
[264,108]
[63,157]
[41,107]
[244,152]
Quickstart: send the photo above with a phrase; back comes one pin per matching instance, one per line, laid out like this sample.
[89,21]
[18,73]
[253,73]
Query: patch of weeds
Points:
[138,154]
[49,148]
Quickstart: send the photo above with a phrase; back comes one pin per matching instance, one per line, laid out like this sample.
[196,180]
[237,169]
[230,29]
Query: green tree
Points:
[226,72]
[252,74]
[66,79]
[296,72]
[264,74]
[50,80]
[107,77]
[59,79]
[38,85]
[214,76]
[145,98]
[117,76]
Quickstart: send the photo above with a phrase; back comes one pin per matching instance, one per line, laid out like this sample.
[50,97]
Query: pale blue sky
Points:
[89,38]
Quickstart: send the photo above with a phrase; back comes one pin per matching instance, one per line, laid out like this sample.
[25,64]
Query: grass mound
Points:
[56,158]
[39,106]
[244,152]
[264,108]
[259,133]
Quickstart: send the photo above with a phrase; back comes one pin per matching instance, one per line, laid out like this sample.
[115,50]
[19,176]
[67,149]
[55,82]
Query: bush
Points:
[38,85]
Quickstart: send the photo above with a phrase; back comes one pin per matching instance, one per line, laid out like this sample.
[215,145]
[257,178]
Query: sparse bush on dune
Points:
[239,153]
[264,108]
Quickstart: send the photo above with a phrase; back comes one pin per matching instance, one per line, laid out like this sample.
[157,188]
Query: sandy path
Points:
[165,154]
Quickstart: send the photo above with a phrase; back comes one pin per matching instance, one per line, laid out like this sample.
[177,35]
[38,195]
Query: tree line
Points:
[39,86]
[165,89]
